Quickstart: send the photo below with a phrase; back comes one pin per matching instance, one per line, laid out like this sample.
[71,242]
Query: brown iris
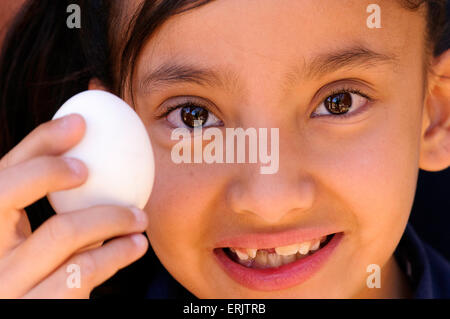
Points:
[338,103]
[192,113]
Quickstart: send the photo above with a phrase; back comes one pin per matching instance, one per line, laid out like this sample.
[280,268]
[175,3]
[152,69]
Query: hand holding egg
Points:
[118,171]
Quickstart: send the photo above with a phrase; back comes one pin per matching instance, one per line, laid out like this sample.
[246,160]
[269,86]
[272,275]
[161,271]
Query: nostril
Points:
[270,197]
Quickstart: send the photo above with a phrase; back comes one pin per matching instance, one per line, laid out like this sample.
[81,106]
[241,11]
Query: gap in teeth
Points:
[275,257]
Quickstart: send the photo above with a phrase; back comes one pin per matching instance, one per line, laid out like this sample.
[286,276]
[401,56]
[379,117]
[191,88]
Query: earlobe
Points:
[96,84]
[435,140]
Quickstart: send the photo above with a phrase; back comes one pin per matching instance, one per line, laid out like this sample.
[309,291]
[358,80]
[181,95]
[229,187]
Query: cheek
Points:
[182,212]
[368,174]
[176,201]
[373,172]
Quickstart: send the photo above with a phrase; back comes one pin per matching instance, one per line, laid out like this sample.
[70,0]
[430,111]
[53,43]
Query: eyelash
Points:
[348,114]
[172,108]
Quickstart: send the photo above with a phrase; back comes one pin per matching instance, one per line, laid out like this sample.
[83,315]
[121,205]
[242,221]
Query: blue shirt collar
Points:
[428,272]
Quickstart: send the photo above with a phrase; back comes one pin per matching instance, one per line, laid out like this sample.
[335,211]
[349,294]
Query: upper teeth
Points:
[290,250]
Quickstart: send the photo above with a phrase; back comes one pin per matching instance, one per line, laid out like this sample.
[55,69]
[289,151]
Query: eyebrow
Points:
[357,56]
[175,72]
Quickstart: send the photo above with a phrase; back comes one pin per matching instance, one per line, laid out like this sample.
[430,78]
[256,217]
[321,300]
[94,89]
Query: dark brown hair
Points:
[436,21]
[43,63]
[143,25]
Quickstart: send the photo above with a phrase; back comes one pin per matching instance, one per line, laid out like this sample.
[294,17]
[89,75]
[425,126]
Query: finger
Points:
[50,138]
[83,272]
[61,236]
[25,183]
[91,246]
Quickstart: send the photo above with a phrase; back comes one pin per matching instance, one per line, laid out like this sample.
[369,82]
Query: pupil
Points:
[190,113]
[339,103]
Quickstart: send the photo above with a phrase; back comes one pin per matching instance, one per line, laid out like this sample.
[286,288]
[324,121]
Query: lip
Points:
[278,278]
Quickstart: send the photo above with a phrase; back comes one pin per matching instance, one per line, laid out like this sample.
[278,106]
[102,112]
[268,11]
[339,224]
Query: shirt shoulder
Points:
[427,270]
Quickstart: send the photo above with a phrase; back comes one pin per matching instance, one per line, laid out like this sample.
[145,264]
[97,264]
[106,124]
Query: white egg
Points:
[116,150]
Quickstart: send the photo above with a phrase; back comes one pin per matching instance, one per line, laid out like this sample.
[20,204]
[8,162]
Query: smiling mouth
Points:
[277,256]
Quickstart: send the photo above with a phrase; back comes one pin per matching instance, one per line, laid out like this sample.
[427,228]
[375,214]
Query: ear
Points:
[435,140]
[96,84]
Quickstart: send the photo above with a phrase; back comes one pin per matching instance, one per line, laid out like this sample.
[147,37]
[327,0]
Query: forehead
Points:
[280,34]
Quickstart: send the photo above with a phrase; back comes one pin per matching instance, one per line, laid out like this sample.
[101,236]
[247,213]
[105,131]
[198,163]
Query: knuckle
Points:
[4,161]
[52,166]
[119,255]
[121,215]
[45,129]
[42,127]
[88,267]
[128,216]
[61,228]
[126,251]
[44,163]
[49,133]
[43,168]
[123,250]
[44,134]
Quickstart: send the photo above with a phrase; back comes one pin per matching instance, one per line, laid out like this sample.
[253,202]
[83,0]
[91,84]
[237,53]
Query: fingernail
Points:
[139,240]
[64,121]
[75,166]
[67,120]
[140,216]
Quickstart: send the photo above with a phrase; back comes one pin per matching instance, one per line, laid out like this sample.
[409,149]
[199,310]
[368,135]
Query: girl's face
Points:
[281,64]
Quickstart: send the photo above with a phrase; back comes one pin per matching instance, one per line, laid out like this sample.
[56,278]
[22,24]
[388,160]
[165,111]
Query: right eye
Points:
[191,115]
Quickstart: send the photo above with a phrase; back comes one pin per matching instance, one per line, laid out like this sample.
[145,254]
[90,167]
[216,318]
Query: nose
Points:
[272,198]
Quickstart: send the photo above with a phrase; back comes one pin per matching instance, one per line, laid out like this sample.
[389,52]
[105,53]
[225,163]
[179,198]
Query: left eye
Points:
[191,115]
[339,104]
